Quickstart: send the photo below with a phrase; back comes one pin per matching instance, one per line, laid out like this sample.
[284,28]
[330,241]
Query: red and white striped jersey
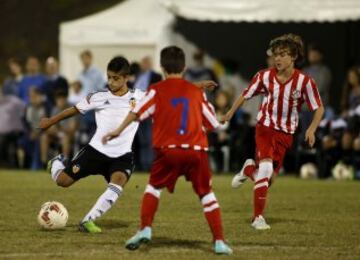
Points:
[180,114]
[282,101]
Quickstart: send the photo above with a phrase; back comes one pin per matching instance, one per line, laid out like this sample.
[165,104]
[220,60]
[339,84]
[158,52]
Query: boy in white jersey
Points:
[285,89]
[115,159]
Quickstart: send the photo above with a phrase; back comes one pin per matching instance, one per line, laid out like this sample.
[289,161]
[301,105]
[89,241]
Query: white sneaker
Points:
[259,223]
[240,177]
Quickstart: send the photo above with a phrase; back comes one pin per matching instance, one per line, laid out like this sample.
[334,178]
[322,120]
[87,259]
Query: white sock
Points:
[56,168]
[105,201]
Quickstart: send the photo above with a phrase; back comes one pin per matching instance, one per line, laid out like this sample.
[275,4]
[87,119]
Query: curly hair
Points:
[289,41]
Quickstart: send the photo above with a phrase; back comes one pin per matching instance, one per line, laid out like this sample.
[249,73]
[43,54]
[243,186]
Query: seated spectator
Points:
[11,84]
[11,128]
[75,93]
[219,140]
[30,144]
[351,91]
[63,133]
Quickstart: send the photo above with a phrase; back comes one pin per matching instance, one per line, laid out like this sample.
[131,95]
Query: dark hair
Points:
[315,47]
[60,94]
[134,68]
[289,41]
[172,59]
[120,65]
[86,53]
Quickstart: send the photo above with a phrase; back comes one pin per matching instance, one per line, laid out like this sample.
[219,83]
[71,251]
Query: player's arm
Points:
[131,117]
[310,132]
[206,84]
[237,104]
[45,122]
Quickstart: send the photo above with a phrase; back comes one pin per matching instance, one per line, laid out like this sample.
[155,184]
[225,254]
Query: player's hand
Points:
[207,84]
[45,123]
[310,137]
[109,136]
[226,118]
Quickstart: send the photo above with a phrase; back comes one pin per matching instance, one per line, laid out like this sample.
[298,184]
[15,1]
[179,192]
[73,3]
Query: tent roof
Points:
[129,22]
[266,10]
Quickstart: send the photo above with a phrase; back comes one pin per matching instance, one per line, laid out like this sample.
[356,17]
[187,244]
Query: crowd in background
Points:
[30,93]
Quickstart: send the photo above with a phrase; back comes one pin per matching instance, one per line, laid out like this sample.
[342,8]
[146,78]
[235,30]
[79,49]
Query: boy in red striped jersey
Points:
[180,115]
[285,89]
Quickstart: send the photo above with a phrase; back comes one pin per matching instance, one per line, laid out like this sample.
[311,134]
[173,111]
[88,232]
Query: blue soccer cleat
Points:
[142,236]
[221,248]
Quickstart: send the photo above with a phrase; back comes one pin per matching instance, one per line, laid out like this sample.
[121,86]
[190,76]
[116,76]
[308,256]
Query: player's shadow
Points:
[108,224]
[168,243]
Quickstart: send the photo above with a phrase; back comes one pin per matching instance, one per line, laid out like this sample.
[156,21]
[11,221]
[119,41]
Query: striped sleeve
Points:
[255,88]
[311,95]
[146,107]
[208,115]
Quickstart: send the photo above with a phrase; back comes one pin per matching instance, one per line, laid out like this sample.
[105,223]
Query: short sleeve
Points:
[86,104]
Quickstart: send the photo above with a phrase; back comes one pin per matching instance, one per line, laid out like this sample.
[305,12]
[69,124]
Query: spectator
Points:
[91,77]
[11,84]
[35,110]
[63,133]
[75,93]
[146,77]
[219,140]
[54,82]
[11,127]
[351,91]
[200,72]
[33,78]
[319,72]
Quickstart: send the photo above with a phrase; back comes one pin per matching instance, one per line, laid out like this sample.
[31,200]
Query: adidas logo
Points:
[107,102]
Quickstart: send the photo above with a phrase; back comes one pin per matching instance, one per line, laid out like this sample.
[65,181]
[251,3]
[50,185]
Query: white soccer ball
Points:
[342,171]
[53,215]
[308,171]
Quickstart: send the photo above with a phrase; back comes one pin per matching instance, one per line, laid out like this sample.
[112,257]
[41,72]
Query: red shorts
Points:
[169,164]
[272,144]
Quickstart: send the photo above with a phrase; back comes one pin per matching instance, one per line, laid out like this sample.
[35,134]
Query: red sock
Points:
[213,215]
[249,171]
[148,209]
[260,192]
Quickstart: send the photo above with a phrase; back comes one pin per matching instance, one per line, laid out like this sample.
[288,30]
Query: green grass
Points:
[309,220]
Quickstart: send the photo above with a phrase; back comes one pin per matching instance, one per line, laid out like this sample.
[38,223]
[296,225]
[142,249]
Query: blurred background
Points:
[53,53]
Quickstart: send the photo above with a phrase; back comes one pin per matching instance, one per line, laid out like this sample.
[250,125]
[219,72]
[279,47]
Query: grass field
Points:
[309,220]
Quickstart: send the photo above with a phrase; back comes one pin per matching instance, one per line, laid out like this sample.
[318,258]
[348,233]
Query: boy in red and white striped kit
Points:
[285,89]
[181,115]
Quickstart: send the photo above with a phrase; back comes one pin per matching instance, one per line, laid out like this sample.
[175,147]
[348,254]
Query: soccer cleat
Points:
[259,223]
[142,236]
[240,177]
[221,248]
[59,157]
[89,227]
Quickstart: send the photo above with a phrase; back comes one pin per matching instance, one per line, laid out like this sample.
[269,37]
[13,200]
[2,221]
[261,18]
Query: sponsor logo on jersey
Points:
[132,102]
[107,102]
[76,168]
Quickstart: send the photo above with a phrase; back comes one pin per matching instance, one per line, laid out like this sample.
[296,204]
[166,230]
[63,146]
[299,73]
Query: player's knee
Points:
[119,178]
[64,181]
[265,170]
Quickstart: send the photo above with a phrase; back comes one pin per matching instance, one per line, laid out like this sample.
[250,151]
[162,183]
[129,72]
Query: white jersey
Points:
[110,111]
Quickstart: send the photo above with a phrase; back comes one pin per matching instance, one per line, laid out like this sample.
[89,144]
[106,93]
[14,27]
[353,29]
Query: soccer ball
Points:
[53,215]
[342,172]
[308,171]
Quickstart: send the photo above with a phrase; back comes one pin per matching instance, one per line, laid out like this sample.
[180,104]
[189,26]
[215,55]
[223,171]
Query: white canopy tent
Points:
[133,28]
[266,11]
[138,28]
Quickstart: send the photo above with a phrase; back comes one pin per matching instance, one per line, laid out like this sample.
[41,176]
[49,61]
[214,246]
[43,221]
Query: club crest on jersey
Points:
[76,168]
[132,102]
[296,94]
